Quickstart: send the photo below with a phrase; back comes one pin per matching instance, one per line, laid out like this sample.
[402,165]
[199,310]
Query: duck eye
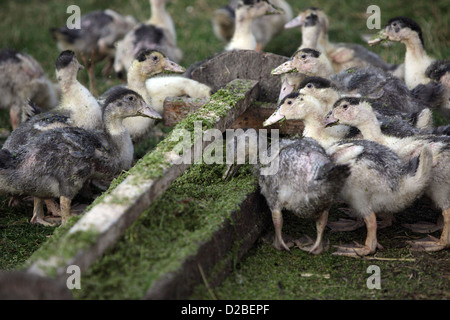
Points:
[155,58]
[309,85]
[303,56]
[345,106]
[289,102]
[394,24]
[131,98]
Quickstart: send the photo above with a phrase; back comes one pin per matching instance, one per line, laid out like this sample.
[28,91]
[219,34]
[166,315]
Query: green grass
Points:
[265,273]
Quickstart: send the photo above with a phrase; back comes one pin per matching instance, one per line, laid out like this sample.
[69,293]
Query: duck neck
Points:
[314,128]
[371,131]
[243,31]
[310,37]
[161,18]
[136,82]
[120,141]
[415,50]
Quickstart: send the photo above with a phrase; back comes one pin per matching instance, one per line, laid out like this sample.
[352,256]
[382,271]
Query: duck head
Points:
[320,88]
[123,103]
[350,111]
[67,65]
[295,106]
[151,62]
[399,29]
[256,8]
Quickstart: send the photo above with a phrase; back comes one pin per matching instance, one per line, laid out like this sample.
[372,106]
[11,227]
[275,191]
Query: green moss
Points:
[172,228]
[63,246]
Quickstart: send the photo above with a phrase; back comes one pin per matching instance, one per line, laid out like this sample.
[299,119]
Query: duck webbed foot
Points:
[307,244]
[38,215]
[345,224]
[370,246]
[431,243]
[426,227]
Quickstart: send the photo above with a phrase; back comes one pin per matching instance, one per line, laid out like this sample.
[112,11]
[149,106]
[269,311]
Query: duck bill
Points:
[330,120]
[147,111]
[273,10]
[274,118]
[286,88]
[286,67]
[380,37]
[296,22]
[173,67]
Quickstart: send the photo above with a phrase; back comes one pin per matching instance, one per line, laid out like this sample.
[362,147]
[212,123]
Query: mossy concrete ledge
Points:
[112,213]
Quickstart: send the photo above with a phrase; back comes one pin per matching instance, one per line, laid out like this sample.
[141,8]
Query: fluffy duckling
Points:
[360,114]
[408,32]
[315,24]
[160,36]
[95,40]
[439,71]
[246,11]
[57,162]
[263,28]
[305,62]
[303,181]
[23,79]
[379,182]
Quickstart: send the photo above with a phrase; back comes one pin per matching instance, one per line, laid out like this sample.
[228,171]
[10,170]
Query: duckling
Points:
[246,11]
[360,114]
[379,182]
[341,55]
[305,182]
[23,79]
[159,36]
[154,90]
[305,62]
[408,32]
[98,32]
[79,154]
[263,28]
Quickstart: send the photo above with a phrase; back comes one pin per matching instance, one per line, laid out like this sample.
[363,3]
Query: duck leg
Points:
[431,243]
[317,247]
[53,207]
[65,208]
[370,245]
[278,241]
[38,213]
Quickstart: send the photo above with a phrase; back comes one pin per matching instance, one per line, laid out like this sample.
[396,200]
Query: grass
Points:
[265,273]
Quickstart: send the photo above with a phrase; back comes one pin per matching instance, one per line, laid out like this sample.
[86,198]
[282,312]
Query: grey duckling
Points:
[57,162]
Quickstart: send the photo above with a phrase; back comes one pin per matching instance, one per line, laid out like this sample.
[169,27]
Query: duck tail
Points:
[422,167]
[430,95]
[333,172]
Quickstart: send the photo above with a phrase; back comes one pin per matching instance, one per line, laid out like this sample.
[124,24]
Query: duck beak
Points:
[380,37]
[172,66]
[272,9]
[274,118]
[330,120]
[284,68]
[296,22]
[286,88]
[146,111]
[80,66]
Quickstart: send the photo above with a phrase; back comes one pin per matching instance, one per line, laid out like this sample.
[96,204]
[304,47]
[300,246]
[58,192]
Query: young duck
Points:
[341,55]
[23,79]
[408,32]
[439,72]
[154,90]
[57,162]
[360,114]
[246,11]
[304,181]
[160,36]
[94,41]
[305,62]
[263,28]
[379,182]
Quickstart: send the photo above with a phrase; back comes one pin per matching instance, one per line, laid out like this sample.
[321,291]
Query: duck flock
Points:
[368,139]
